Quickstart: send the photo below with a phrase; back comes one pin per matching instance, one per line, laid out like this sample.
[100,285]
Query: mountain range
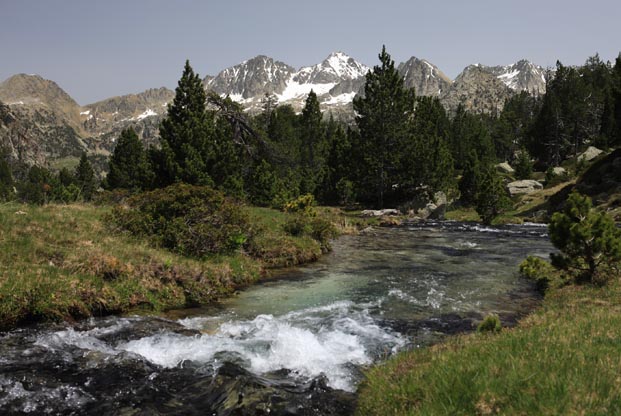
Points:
[39,121]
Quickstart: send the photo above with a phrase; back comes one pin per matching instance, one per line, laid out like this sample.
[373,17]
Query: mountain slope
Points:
[424,77]
[521,76]
[34,91]
[251,79]
[477,90]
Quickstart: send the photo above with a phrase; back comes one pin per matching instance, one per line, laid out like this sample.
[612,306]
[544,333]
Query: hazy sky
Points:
[97,49]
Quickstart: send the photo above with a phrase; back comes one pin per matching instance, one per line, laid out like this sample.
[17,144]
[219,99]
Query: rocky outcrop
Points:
[379,212]
[103,121]
[558,171]
[526,186]
[476,90]
[505,167]
[589,154]
[37,135]
[35,93]
[424,77]
[521,76]
[252,79]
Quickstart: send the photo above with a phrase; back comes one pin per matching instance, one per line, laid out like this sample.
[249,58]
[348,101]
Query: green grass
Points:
[564,359]
[64,262]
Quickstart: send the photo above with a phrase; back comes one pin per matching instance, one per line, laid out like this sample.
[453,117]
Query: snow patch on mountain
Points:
[342,99]
[147,113]
[295,90]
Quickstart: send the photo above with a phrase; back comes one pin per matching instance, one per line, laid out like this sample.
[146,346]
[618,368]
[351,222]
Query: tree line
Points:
[400,147]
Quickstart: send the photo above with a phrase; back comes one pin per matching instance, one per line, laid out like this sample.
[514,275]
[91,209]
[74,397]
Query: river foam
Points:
[324,340]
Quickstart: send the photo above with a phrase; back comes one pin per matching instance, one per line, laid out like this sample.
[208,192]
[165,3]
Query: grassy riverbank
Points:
[64,262]
[564,359]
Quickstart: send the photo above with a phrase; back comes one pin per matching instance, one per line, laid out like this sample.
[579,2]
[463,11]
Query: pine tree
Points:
[186,135]
[523,165]
[6,179]
[85,178]
[312,152]
[616,98]
[37,186]
[383,115]
[470,179]
[427,163]
[129,165]
[338,169]
[589,242]
[491,197]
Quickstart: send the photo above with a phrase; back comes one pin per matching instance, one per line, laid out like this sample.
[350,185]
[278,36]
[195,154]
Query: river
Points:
[294,344]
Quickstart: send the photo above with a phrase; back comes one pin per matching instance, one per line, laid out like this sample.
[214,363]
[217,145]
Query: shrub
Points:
[323,231]
[297,225]
[491,324]
[553,179]
[539,271]
[589,242]
[304,204]
[345,191]
[191,220]
[319,229]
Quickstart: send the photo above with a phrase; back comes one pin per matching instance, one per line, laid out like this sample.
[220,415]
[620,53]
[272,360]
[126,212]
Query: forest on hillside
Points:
[401,149]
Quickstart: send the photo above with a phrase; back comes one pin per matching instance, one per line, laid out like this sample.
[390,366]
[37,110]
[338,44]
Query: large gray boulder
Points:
[526,186]
[590,153]
[379,212]
[558,171]
[505,167]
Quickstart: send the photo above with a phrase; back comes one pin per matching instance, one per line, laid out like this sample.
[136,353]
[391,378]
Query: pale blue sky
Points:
[98,49]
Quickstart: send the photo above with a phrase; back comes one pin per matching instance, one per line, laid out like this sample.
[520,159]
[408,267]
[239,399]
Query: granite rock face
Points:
[526,186]
[476,90]
[590,153]
[424,77]
[252,78]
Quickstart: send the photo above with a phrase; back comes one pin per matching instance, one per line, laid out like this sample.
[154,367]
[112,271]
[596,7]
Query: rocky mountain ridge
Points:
[38,111]
[338,78]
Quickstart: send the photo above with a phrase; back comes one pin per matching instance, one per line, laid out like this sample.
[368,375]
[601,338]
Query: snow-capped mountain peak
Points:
[335,68]
[521,76]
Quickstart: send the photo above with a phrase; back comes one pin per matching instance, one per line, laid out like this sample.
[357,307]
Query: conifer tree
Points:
[588,241]
[129,165]
[523,165]
[470,179]
[338,166]
[85,178]
[383,115]
[427,164]
[616,105]
[312,152]
[6,180]
[186,134]
[491,197]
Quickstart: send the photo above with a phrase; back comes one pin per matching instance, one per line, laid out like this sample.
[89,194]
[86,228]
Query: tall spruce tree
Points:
[616,98]
[338,162]
[186,135]
[491,198]
[383,115]
[427,163]
[129,165]
[312,152]
[85,178]
[470,178]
